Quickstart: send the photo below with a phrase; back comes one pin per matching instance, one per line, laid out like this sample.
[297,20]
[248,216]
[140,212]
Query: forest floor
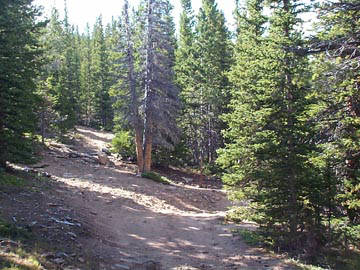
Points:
[90,216]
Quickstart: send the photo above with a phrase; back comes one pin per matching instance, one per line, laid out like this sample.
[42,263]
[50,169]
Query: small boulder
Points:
[103,159]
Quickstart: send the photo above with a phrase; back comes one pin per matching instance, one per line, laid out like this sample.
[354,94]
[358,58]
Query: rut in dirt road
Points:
[134,220]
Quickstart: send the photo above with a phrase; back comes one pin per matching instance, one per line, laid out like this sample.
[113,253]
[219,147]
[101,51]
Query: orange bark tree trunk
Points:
[147,153]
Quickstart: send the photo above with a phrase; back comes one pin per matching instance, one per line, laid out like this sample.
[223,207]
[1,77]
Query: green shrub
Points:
[11,231]
[243,213]
[346,233]
[252,238]
[156,177]
[11,180]
[23,152]
[123,144]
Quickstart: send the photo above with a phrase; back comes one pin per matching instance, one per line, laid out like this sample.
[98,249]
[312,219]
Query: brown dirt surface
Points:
[128,222]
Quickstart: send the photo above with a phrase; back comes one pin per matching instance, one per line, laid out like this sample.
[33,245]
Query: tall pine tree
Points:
[19,63]
[87,96]
[160,93]
[101,76]
[62,82]
[127,90]
[337,115]
[269,139]
[203,79]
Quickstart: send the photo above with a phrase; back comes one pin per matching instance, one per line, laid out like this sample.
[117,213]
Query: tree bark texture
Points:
[139,149]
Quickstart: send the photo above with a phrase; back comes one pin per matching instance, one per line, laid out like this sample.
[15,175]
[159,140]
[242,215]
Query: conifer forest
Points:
[269,108]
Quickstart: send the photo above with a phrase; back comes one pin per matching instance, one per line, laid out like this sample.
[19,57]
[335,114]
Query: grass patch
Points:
[19,259]
[240,214]
[301,266]
[252,238]
[7,179]
[11,231]
[12,256]
[156,177]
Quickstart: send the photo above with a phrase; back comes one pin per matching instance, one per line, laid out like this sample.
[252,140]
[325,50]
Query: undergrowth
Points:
[156,177]
[252,238]
[8,230]
[12,254]
[330,259]
[7,179]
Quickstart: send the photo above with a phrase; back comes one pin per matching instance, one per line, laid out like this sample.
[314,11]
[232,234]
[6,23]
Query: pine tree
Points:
[160,94]
[68,84]
[101,77]
[243,116]
[184,62]
[146,96]
[19,63]
[127,90]
[62,81]
[203,80]
[269,139]
[184,69]
[87,95]
[337,114]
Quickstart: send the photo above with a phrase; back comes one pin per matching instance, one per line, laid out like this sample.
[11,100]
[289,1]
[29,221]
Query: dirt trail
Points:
[133,220]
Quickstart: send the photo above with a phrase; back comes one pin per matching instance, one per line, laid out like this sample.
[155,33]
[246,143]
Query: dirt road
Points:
[134,220]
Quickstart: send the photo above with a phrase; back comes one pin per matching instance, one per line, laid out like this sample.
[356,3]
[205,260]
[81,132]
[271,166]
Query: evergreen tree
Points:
[269,139]
[62,81]
[101,77]
[87,96]
[70,86]
[19,63]
[184,69]
[337,114]
[203,79]
[127,90]
[53,45]
[146,96]
[184,62]
[160,94]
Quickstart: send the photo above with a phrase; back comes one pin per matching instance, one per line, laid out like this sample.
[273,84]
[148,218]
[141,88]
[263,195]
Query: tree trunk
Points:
[2,163]
[139,149]
[2,145]
[148,100]
[147,152]
[292,187]
[43,126]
